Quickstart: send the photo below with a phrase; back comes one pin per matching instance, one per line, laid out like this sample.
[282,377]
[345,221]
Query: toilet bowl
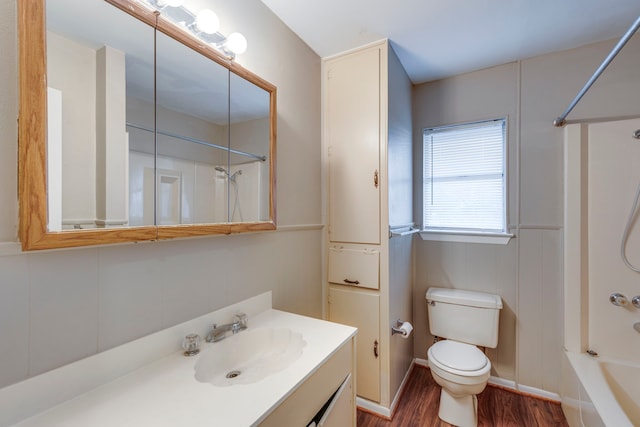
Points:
[462,371]
[466,319]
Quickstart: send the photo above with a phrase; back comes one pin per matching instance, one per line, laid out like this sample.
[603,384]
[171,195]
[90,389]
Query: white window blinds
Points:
[464,178]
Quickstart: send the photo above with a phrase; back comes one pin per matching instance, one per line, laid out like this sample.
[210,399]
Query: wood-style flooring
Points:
[497,407]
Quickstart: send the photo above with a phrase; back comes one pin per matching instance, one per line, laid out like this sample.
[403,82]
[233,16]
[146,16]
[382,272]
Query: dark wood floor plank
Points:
[497,407]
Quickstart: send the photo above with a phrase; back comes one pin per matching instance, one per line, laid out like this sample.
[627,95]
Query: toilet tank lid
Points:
[462,297]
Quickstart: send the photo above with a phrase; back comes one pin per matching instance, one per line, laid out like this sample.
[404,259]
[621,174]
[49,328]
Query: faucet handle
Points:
[243,320]
[618,299]
[191,345]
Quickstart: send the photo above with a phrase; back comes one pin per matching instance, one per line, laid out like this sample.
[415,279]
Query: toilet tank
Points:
[466,316]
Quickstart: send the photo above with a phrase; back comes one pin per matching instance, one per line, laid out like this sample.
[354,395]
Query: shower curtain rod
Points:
[561,120]
[198,141]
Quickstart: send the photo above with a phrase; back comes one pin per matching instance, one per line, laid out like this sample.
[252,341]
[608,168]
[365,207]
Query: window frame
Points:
[471,235]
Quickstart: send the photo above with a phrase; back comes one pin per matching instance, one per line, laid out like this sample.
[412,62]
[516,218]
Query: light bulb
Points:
[236,43]
[172,3]
[207,21]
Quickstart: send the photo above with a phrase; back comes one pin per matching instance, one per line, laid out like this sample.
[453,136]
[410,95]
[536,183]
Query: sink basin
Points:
[248,356]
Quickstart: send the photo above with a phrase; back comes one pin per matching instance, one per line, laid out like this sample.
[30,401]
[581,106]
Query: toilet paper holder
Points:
[397,330]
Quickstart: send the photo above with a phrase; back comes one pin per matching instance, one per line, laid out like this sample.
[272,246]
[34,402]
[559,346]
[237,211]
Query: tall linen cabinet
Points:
[367,148]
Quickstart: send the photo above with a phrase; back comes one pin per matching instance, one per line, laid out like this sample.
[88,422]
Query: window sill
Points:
[467,237]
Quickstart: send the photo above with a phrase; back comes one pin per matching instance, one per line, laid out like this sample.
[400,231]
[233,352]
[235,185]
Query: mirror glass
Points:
[143,130]
[249,132]
[99,61]
[192,104]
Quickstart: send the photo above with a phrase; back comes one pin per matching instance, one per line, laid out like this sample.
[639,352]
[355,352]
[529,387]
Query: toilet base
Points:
[461,411]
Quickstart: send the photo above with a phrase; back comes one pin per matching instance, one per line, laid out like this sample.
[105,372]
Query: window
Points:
[464,179]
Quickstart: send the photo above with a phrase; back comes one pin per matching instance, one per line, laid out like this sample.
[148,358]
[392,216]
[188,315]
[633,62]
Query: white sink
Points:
[248,356]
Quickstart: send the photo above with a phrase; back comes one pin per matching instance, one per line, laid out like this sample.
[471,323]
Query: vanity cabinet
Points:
[331,384]
[368,152]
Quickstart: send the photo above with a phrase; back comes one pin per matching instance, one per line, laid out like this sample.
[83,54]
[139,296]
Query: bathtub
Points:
[599,391]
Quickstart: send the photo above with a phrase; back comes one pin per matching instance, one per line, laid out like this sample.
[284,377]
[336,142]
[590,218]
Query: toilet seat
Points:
[459,356]
[456,359]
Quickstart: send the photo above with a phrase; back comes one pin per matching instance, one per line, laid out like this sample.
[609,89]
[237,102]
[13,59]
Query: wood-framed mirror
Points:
[176,139]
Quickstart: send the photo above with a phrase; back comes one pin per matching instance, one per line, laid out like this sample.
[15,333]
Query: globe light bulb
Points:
[207,21]
[236,43]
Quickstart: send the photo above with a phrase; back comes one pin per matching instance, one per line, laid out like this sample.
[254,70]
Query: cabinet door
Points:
[361,310]
[340,411]
[352,120]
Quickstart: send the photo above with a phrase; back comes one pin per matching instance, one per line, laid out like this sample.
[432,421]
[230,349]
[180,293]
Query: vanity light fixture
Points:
[204,25]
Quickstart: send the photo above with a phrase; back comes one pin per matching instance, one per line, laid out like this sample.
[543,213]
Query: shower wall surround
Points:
[59,306]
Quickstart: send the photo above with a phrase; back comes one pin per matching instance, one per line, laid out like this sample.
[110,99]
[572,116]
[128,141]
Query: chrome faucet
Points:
[218,333]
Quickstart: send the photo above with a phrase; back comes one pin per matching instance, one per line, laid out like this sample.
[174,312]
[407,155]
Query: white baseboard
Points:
[373,407]
[523,389]
[421,362]
[539,393]
[511,385]
[381,410]
[396,399]
[503,383]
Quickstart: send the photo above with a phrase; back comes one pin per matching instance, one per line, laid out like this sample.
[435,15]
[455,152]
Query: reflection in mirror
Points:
[213,141]
[99,66]
[248,177]
[192,104]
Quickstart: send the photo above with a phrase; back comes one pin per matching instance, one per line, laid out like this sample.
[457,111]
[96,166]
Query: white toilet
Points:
[466,319]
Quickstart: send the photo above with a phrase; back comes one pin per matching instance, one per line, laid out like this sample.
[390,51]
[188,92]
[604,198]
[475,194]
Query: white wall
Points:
[486,94]
[59,306]
[528,271]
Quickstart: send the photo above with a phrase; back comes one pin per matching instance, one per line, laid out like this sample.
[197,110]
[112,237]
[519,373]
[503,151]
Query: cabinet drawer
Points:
[356,267]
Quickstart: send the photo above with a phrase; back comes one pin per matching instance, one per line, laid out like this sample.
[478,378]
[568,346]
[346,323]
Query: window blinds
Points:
[464,177]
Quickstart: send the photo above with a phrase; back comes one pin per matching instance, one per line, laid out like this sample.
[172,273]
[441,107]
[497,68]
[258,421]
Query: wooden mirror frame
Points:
[32,141]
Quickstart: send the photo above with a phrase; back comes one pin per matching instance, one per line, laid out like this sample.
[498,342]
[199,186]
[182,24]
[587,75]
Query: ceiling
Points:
[440,38]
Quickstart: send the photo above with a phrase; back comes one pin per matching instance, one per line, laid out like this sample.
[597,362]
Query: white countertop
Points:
[165,392]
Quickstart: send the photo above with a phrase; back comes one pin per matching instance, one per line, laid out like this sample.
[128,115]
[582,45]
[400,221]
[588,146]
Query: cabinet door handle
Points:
[375,178]
[352,282]
[375,348]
